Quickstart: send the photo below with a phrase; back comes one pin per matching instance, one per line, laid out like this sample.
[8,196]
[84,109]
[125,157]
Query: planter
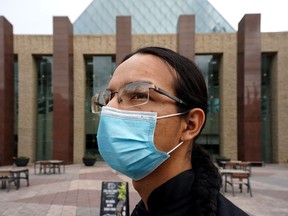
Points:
[20,162]
[89,161]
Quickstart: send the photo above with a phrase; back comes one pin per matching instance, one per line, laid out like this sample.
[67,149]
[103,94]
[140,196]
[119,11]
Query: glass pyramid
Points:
[149,16]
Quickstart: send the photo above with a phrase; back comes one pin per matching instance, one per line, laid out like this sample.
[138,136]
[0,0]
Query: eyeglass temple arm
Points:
[99,104]
[161,91]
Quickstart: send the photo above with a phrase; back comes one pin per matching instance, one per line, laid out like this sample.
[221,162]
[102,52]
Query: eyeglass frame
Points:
[152,86]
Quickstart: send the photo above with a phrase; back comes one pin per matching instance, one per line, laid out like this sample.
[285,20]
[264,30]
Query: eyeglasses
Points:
[130,95]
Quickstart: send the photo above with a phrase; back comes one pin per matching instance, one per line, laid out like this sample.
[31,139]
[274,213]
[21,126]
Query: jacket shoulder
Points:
[226,207]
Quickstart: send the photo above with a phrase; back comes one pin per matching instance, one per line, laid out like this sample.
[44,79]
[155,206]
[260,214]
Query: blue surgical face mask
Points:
[126,141]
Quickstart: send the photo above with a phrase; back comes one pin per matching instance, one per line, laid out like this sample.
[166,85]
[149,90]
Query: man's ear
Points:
[194,122]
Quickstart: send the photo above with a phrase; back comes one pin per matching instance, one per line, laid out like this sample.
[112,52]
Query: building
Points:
[46,81]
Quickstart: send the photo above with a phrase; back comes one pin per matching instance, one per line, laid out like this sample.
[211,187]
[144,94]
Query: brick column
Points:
[249,88]
[63,89]
[123,37]
[6,92]
[186,36]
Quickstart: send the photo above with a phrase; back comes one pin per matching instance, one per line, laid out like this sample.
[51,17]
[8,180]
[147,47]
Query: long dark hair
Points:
[190,86]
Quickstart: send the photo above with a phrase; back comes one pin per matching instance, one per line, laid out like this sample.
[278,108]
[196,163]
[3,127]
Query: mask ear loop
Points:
[175,148]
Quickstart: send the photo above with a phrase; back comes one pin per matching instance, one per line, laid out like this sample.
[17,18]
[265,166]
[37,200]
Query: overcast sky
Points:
[35,16]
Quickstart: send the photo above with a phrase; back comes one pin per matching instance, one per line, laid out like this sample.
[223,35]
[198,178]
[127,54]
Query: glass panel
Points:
[44,107]
[209,138]
[15,148]
[266,98]
[99,70]
[100,16]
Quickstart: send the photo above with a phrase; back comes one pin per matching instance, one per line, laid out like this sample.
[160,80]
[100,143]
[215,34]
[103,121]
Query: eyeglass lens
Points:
[132,94]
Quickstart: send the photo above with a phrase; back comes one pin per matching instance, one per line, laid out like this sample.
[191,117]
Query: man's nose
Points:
[114,102]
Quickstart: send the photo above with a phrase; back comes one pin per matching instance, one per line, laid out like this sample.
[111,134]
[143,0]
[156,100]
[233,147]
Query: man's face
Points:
[149,68]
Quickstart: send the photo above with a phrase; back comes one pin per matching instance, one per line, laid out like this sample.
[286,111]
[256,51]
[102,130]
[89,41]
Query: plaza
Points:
[77,192]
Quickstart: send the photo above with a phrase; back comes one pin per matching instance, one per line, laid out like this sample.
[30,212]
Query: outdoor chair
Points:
[246,166]
[6,179]
[240,178]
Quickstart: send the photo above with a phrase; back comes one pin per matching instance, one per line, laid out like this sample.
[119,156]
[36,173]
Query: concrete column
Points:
[249,88]
[6,92]
[63,89]
[123,37]
[186,36]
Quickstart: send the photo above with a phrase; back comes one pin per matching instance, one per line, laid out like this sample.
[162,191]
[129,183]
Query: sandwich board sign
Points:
[114,199]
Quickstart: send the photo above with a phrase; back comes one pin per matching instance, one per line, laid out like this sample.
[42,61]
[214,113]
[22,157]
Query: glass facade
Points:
[44,107]
[266,100]
[99,70]
[149,16]
[209,138]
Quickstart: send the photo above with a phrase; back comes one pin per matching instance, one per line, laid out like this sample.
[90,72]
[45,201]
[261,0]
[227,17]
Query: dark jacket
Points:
[175,198]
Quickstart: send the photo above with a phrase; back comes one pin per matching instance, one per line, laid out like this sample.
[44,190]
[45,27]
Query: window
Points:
[209,138]
[44,107]
[99,70]
[266,100]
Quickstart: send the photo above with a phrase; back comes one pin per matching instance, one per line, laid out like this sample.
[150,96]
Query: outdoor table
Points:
[50,165]
[56,164]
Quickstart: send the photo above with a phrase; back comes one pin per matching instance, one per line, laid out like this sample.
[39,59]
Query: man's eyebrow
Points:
[128,82]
